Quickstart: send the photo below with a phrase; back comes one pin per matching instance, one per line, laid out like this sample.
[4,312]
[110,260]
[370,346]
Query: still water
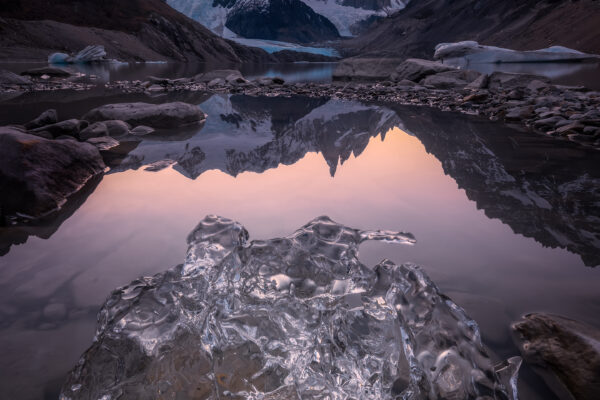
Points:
[506,222]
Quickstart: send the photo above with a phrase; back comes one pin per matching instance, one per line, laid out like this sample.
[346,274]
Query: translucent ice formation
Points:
[90,54]
[298,317]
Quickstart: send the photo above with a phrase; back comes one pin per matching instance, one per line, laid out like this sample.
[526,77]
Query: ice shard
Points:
[298,317]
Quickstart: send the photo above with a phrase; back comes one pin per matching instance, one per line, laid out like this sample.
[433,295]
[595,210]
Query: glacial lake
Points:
[506,222]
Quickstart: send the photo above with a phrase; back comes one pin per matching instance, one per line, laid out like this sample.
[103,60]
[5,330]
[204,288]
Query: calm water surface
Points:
[506,222]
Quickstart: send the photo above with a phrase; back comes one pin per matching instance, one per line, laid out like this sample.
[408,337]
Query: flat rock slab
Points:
[167,115]
[368,69]
[37,175]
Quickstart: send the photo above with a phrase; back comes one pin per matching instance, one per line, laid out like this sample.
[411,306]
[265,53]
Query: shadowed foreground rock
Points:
[568,348]
[37,175]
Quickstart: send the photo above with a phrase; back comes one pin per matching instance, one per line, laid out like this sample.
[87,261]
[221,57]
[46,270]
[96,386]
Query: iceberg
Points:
[473,52]
[297,317]
[90,54]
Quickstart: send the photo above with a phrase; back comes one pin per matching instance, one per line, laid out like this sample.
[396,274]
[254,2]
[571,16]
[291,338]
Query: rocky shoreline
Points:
[527,101]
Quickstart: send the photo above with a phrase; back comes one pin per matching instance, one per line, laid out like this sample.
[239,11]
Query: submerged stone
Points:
[292,317]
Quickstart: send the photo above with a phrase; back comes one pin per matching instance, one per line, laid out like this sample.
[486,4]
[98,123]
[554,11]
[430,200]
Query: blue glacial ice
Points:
[298,317]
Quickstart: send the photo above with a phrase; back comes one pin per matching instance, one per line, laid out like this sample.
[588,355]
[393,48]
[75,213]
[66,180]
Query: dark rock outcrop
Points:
[566,348]
[38,175]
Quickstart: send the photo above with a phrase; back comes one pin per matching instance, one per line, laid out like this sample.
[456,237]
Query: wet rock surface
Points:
[567,348]
[37,175]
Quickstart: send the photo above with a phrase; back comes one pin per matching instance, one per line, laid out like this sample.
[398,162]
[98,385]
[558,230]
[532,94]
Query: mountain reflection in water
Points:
[275,163]
[540,189]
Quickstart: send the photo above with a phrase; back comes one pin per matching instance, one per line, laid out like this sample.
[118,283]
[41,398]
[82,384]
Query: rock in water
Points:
[37,175]
[167,115]
[569,349]
[292,317]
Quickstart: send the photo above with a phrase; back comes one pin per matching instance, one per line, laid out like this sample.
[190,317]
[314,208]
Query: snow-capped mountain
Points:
[301,21]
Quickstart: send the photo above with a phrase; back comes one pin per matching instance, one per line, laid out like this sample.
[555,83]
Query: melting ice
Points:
[298,317]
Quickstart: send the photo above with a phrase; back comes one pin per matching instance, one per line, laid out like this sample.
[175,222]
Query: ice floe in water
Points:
[298,317]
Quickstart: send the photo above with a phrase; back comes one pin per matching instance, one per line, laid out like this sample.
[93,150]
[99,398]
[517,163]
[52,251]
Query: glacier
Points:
[296,317]
[213,14]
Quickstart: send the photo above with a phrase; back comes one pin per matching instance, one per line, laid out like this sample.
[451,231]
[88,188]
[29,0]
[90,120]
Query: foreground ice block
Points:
[298,317]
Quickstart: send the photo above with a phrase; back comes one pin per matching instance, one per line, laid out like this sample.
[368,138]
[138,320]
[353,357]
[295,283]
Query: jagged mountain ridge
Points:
[300,21]
[516,24]
[256,134]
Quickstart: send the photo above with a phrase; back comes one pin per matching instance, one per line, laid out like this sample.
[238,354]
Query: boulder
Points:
[70,127]
[10,78]
[94,130]
[48,117]
[167,115]
[415,69]
[55,72]
[365,69]
[506,81]
[565,350]
[37,175]
[117,128]
[480,83]
[450,79]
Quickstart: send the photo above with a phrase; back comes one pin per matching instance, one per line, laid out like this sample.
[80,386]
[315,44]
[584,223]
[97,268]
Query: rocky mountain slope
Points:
[135,30]
[516,24]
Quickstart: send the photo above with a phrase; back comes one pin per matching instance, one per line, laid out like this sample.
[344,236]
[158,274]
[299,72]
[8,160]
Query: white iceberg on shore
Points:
[473,52]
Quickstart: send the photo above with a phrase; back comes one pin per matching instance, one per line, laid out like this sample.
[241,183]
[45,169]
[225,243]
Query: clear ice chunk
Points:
[298,317]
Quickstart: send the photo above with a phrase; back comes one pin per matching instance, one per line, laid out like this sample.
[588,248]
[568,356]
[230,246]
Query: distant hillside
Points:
[130,30]
[517,24]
